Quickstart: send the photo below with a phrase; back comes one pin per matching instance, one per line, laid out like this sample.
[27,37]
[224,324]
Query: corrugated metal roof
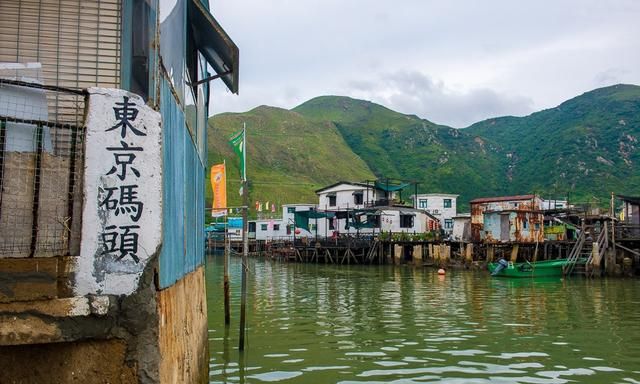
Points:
[502,198]
[347,183]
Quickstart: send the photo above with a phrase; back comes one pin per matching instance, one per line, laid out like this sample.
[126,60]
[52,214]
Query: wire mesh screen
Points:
[40,175]
[49,49]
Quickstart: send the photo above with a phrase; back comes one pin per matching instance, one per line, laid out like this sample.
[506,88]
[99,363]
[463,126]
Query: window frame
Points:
[403,221]
[358,198]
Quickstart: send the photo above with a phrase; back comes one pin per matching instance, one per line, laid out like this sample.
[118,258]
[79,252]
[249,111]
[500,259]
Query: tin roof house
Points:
[507,219]
[103,150]
[369,208]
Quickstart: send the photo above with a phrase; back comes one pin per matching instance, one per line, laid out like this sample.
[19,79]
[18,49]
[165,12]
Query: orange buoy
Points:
[441,271]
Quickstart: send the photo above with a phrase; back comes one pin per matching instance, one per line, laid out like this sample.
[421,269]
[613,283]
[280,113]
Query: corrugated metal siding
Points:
[183,190]
[77,42]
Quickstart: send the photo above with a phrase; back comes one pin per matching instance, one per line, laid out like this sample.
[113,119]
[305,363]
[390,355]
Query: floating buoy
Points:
[441,271]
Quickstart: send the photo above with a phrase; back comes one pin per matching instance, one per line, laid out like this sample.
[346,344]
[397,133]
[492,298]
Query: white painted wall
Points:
[345,198]
[435,205]
[269,231]
[554,204]
[287,219]
[389,221]
[120,231]
[459,223]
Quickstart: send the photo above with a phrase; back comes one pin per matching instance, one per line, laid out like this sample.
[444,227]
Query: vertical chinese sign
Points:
[219,187]
[122,212]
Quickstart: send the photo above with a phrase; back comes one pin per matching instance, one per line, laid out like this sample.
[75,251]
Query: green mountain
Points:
[440,158]
[585,147]
[288,156]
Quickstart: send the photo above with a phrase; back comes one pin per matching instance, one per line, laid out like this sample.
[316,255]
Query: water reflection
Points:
[341,324]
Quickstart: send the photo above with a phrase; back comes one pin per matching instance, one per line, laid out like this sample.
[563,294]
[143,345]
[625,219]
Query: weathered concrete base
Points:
[397,253]
[183,331]
[86,362]
[417,255]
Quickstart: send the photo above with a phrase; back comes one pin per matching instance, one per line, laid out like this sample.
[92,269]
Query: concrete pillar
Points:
[445,253]
[417,255]
[397,253]
[469,253]
[514,252]
[610,262]
[490,253]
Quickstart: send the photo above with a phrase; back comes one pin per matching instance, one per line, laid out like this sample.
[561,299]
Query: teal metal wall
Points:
[183,194]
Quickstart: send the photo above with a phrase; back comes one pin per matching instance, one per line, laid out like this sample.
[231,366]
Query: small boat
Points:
[547,268]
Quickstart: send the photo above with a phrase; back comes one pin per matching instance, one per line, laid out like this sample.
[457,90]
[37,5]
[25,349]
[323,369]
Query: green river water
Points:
[312,323]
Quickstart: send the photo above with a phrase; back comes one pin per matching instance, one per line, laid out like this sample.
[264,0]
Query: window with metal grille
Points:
[49,51]
[406,221]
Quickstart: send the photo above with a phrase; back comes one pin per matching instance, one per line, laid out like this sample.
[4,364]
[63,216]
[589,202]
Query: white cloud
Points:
[416,93]
[450,62]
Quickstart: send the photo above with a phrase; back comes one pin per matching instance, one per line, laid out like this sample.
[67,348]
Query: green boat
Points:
[547,268]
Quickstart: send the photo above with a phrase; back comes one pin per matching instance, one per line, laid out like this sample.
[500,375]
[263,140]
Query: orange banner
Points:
[219,186]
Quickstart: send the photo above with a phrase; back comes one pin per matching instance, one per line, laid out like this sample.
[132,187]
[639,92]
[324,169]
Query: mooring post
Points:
[245,246]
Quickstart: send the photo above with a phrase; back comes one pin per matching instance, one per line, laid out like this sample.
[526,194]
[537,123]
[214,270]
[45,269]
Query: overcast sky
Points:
[451,62]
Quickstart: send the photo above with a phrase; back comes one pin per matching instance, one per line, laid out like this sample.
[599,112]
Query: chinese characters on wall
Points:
[123,198]
[122,214]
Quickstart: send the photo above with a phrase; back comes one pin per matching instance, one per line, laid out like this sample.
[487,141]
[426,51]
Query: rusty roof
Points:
[502,198]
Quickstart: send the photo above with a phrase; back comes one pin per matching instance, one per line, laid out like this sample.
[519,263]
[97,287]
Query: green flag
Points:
[238,144]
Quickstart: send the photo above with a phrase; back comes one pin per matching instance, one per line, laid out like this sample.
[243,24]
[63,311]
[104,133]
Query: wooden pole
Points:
[245,246]
[227,312]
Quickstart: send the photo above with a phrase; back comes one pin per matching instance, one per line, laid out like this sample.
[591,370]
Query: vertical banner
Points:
[219,186]
[237,142]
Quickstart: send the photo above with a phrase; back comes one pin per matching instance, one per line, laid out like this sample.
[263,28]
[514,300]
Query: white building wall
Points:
[269,229]
[459,223]
[345,196]
[435,205]
[554,204]
[288,218]
[389,221]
